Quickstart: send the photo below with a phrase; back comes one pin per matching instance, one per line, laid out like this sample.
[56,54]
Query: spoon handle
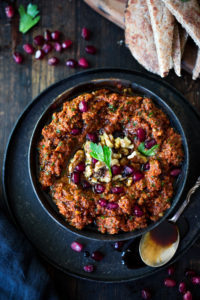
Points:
[186,202]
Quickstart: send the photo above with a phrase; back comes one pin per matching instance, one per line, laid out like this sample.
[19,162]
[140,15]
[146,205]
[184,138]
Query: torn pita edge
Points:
[176,51]
[196,70]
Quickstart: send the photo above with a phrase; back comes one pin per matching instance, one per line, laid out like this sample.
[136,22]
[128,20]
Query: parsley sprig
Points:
[102,154]
[149,152]
[28,18]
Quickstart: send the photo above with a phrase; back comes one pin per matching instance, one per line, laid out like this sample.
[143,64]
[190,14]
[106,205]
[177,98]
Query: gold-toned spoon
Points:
[159,245]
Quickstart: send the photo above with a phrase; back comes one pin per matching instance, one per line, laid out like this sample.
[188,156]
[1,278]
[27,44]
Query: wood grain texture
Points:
[20,84]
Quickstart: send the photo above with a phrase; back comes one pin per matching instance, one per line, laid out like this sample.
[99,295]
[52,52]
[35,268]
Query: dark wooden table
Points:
[19,84]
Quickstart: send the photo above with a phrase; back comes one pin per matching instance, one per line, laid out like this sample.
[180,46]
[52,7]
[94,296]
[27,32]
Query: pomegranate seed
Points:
[128,170]
[97,255]
[75,177]
[55,35]
[138,211]
[75,131]
[175,172]
[150,143]
[58,47]
[83,106]
[190,273]
[94,160]
[118,245]
[28,48]
[112,205]
[86,254]
[39,54]
[47,48]
[86,184]
[18,58]
[146,166]
[88,268]
[99,188]
[195,280]
[80,167]
[170,271]
[92,137]
[141,134]
[47,35]
[66,44]
[138,176]
[76,246]
[116,170]
[85,33]
[90,49]
[182,287]
[102,202]
[187,296]
[10,11]
[117,190]
[71,63]
[83,63]
[169,282]
[39,40]
[146,294]
[53,61]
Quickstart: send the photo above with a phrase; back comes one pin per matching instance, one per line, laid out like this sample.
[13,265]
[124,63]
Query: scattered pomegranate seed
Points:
[80,167]
[75,131]
[58,47]
[55,35]
[182,287]
[78,247]
[138,176]
[75,177]
[39,54]
[146,166]
[47,35]
[66,44]
[116,170]
[94,160]
[10,11]
[117,190]
[112,205]
[97,255]
[85,33]
[39,40]
[71,63]
[170,271]
[150,143]
[18,58]
[190,273]
[28,48]
[99,188]
[195,280]
[187,296]
[141,134]
[47,48]
[169,282]
[118,245]
[83,63]
[53,61]
[175,172]
[128,170]
[90,49]
[138,211]
[146,294]
[83,106]
[86,184]
[92,137]
[88,268]
[103,202]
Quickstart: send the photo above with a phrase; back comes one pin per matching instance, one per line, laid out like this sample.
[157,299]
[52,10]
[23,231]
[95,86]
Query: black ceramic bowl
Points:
[113,84]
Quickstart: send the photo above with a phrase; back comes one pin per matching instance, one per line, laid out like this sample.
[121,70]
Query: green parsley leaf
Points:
[150,152]
[102,154]
[28,19]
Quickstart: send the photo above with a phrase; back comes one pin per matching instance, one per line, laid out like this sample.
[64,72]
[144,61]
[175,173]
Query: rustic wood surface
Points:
[21,83]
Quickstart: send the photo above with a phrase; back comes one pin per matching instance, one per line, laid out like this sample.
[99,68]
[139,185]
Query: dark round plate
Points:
[112,84]
[48,236]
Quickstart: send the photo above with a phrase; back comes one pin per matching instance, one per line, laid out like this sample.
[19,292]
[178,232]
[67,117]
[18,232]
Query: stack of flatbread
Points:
[157,31]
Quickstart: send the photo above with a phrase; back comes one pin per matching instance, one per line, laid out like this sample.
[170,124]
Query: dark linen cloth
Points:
[22,277]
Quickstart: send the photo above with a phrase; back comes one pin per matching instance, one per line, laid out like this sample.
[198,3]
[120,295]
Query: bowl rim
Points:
[91,85]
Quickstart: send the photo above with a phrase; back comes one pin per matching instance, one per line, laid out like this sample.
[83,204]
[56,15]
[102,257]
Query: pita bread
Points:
[139,35]
[196,70]
[163,26]
[183,38]
[176,52]
[188,15]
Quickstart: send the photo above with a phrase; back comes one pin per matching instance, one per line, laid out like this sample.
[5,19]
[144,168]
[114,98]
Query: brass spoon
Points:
[159,245]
